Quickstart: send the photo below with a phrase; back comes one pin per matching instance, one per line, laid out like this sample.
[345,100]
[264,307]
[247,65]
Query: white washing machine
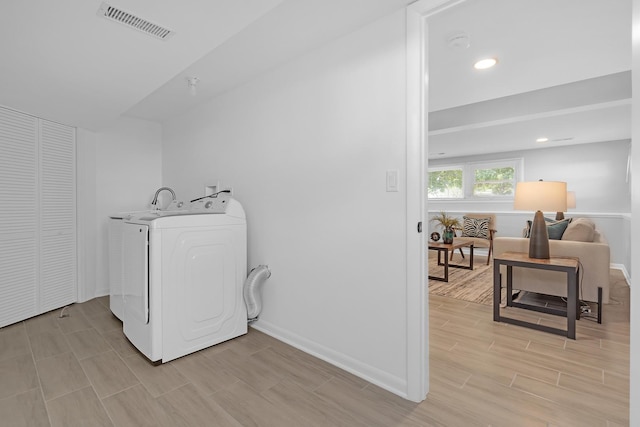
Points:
[183,274]
[116,261]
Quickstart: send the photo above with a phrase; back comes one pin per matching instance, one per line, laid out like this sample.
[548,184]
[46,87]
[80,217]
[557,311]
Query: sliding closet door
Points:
[18,217]
[57,216]
[37,216]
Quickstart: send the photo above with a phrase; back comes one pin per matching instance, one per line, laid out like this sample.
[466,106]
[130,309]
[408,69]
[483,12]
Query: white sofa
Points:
[594,259]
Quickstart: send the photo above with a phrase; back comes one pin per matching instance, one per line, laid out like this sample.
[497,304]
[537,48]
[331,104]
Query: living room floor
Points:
[80,370]
[500,374]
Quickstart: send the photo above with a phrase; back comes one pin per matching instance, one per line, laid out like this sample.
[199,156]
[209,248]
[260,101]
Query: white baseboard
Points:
[622,268]
[369,373]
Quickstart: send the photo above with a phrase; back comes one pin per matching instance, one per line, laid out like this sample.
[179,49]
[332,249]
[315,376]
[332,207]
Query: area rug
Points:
[469,285]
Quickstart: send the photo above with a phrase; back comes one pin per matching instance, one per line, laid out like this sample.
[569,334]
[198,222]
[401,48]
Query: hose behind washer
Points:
[252,288]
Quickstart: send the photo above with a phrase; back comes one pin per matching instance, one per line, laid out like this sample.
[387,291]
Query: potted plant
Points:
[448,223]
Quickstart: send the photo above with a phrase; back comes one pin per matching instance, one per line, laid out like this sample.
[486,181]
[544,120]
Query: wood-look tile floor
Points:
[81,371]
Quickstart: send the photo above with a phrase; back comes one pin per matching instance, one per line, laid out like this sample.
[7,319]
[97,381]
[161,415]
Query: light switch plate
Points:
[392,180]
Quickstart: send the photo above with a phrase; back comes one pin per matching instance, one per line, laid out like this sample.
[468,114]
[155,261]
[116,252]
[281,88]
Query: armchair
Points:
[480,229]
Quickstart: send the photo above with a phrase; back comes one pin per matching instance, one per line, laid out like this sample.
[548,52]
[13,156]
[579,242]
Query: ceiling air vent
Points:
[135,22]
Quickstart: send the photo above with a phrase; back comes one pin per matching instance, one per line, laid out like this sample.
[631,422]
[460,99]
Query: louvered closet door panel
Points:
[18,280]
[57,215]
[18,173]
[18,216]
[58,271]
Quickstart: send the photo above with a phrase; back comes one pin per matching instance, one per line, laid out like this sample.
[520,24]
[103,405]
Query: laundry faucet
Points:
[155,198]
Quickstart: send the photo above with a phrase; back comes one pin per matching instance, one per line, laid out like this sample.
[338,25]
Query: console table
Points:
[451,247]
[570,266]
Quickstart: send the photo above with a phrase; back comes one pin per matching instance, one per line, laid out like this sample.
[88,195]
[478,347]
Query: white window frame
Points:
[446,168]
[468,177]
[470,181]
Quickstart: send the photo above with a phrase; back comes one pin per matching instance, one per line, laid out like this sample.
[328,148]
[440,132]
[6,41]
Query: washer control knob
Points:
[208,205]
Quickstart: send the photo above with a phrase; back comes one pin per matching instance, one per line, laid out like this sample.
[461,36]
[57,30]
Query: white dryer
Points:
[183,276]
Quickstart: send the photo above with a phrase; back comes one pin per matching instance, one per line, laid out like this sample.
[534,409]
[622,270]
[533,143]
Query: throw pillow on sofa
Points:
[555,229]
[580,230]
[475,227]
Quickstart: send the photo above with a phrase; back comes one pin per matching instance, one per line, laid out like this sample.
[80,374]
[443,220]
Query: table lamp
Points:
[548,196]
[571,203]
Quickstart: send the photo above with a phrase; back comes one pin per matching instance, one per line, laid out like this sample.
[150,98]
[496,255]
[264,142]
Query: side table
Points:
[450,247]
[570,266]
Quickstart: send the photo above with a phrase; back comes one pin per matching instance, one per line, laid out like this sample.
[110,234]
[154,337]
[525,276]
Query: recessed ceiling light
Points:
[483,64]
[543,139]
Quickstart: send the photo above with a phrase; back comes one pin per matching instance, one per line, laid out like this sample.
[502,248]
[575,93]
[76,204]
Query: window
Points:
[446,183]
[494,180]
[478,180]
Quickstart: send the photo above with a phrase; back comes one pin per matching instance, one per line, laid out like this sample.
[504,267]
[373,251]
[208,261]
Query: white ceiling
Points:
[62,62]
[539,44]
[287,31]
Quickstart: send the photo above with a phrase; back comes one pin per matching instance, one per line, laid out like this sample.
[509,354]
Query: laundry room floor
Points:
[80,370]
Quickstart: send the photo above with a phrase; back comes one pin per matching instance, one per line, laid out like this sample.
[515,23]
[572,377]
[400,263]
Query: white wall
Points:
[119,169]
[306,149]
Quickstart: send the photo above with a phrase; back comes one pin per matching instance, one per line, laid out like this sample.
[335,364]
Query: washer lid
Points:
[220,207]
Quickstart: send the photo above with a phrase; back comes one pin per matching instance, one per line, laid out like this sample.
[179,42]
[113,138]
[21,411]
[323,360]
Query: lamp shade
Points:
[571,199]
[546,196]
[571,203]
